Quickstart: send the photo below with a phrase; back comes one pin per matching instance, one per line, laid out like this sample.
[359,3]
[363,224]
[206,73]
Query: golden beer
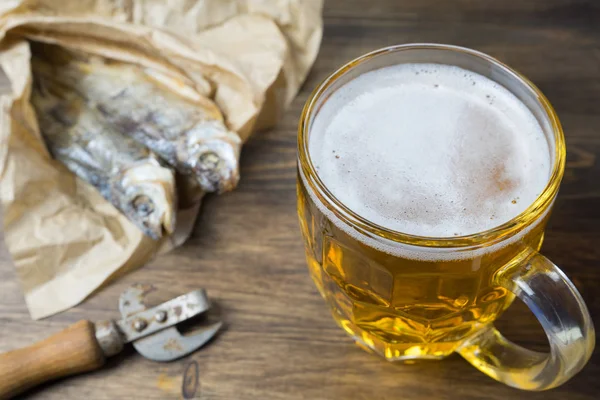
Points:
[399,307]
[418,249]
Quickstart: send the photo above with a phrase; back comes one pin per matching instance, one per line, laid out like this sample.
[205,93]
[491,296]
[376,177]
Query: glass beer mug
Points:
[406,296]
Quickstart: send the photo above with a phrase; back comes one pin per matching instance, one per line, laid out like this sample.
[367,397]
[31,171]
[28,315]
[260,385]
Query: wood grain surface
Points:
[280,341]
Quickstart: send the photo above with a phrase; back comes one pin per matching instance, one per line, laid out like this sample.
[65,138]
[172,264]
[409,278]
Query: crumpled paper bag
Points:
[249,56]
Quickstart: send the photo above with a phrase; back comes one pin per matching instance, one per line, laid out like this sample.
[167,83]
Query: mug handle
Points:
[557,304]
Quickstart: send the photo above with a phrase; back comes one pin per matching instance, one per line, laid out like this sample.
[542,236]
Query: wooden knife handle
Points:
[69,352]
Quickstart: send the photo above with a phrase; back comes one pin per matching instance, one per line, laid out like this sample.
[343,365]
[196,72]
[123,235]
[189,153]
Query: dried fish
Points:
[123,171]
[190,136]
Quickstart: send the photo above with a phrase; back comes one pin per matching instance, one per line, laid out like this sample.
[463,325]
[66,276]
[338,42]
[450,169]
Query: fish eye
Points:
[143,205]
[209,160]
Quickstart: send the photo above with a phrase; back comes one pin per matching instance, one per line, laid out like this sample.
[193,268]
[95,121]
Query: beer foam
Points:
[430,150]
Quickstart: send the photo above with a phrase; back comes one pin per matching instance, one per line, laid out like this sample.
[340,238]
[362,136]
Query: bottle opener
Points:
[84,346]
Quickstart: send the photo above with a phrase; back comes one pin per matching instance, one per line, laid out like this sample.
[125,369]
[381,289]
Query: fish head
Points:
[146,195]
[212,153]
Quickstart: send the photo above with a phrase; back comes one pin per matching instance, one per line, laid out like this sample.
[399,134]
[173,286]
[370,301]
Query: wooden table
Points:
[280,341]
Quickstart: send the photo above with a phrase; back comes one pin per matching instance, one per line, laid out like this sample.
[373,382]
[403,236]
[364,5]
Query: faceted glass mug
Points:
[429,307]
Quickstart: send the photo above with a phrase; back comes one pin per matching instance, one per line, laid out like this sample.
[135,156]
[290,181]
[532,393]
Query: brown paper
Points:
[249,57]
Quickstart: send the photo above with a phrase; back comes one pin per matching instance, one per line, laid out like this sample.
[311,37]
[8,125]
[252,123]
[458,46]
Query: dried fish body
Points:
[190,136]
[123,171]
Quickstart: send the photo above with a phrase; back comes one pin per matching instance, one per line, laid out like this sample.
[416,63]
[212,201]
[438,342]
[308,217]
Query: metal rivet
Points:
[161,316]
[140,325]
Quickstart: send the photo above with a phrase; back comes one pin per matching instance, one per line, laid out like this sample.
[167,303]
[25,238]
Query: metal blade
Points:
[169,344]
[139,321]
[153,330]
